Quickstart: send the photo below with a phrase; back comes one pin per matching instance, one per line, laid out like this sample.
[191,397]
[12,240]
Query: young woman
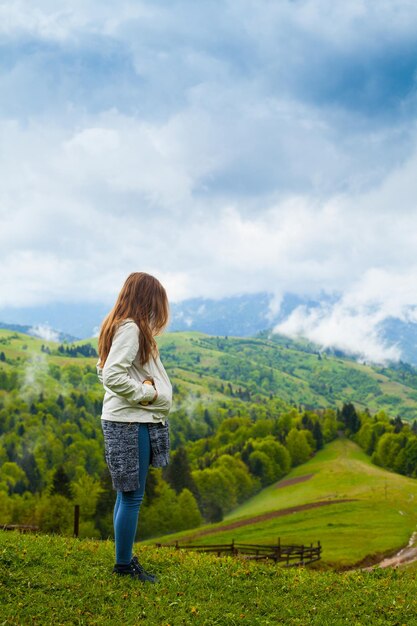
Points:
[137,400]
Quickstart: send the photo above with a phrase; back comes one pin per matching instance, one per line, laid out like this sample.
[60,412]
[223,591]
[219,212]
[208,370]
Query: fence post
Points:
[76,520]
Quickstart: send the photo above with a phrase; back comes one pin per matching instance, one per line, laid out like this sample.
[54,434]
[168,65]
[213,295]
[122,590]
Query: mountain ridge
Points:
[241,315]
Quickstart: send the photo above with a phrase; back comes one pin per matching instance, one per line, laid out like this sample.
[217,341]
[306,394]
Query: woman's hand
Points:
[149,382]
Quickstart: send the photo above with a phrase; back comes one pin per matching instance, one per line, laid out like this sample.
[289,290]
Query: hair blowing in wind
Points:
[143,299]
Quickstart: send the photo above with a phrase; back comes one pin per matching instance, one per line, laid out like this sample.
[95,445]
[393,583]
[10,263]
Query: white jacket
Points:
[122,377]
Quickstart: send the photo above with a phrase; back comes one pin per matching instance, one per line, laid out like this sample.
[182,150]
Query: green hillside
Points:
[294,371]
[208,368]
[379,519]
[53,580]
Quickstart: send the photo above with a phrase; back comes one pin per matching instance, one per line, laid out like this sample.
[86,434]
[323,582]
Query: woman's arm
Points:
[115,374]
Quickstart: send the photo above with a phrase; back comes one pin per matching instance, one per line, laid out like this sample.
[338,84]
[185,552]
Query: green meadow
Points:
[51,580]
[379,519]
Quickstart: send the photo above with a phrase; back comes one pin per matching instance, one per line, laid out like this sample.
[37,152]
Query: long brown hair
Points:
[143,299]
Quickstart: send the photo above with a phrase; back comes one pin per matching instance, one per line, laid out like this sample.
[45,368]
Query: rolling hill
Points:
[208,368]
[359,512]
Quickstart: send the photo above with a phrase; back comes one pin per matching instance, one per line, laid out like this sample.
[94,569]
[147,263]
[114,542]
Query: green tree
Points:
[163,515]
[410,458]
[86,492]
[278,454]
[318,435]
[244,484]
[10,476]
[61,484]
[349,418]
[388,449]
[178,472]
[103,518]
[216,490]
[262,466]
[55,513]
[189,513]
[298,447]
[72,374]
[329,425]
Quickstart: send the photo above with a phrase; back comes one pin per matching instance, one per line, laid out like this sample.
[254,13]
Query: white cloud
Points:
[274,306]
[341,326]
[240,150]
[43,331]
[352,323]
[66,19]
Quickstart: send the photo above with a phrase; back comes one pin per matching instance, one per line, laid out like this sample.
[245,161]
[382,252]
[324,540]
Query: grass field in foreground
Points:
[379,521]
[54,580]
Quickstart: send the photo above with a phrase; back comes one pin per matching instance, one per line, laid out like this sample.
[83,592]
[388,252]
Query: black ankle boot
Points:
[133,571]
[140,568]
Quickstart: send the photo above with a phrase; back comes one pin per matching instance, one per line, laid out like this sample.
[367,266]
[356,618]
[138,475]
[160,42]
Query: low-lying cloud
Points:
[44,332]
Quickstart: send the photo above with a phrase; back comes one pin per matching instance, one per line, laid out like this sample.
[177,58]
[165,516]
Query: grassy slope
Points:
[54,580]
[380,521]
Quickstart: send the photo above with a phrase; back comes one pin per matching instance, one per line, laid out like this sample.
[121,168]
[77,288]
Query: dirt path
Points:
[265,516]
[405,556]
[293,481]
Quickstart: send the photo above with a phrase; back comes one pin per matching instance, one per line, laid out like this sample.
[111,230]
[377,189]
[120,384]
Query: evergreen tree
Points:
[350,418]
[151,485]
[307,422]
[410,458]
[61,484]
[178,472]
[80,401]
[209,421]
[318,435]
[103,517]
[397,423]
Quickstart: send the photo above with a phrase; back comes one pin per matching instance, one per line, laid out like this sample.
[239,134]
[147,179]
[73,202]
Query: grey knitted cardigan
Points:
[121,451]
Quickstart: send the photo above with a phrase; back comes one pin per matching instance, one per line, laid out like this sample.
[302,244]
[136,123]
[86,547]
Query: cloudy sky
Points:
[224,146]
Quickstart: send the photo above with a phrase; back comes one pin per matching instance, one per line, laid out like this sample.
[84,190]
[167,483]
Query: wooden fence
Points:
[23,528]
[290,555]
[30,528]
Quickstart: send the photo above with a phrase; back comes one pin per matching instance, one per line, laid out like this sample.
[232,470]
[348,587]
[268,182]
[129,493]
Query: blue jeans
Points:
[126,509]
